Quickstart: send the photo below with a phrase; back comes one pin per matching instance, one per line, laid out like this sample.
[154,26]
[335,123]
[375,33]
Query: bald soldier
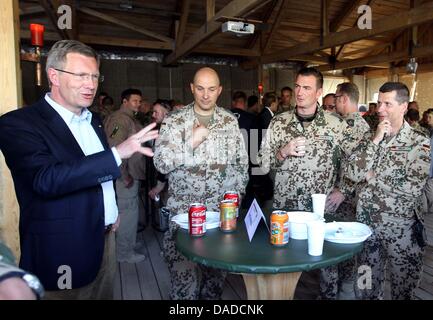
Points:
[303,146]
[393,166]
[202,151]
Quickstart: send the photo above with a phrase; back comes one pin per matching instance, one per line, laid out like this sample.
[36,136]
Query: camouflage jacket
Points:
[296,178]
[119,126]
[400,170]
[360,129]
[218,164]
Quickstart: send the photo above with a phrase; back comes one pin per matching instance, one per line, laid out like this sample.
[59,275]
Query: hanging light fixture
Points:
[37,40]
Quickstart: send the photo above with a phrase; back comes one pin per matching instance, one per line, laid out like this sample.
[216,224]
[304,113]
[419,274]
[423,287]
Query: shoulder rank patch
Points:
[113,134]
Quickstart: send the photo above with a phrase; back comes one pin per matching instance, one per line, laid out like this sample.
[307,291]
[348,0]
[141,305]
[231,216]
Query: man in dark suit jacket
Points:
[63,172]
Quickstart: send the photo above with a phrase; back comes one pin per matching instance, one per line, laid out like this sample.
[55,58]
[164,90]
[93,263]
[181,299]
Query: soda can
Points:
[233,195]
[197,219]
[279,228]
[227,216]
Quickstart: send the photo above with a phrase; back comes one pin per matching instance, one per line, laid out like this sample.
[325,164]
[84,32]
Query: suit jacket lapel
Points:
[59,127]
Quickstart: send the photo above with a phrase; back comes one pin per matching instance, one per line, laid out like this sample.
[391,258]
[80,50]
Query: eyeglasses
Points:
[84,76]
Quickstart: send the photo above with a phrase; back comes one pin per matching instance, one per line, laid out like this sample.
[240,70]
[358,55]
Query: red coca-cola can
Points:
[197,219]
[234,196]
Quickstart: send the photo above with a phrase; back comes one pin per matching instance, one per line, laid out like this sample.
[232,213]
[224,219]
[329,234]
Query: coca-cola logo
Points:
[198,213]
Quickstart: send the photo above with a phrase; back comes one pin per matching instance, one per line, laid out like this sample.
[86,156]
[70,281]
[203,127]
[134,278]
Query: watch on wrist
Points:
[34,284]
[32,281]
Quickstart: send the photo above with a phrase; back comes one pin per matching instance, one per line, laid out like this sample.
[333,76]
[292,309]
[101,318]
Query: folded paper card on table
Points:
[212,220]
[346,232]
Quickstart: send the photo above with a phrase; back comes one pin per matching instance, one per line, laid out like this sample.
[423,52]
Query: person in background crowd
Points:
[176,105]
[118,127]
[253,105]
[63,171]
[144,114]
[285,99]
[328,102]
[428,123]
[371,116]
[247,124]
[413,105]
[393,166]
[412,117]
[202,151]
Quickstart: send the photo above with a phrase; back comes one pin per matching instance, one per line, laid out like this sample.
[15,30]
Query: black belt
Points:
[108,228]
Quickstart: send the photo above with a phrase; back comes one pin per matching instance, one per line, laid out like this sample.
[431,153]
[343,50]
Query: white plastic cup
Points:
[316,237]
[319,201]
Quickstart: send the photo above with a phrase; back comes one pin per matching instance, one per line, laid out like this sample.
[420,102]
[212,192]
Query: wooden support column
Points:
[11,97]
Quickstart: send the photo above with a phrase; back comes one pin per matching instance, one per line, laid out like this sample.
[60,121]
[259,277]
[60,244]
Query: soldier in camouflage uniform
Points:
[304,146]
[371,116]
[342,198]
[393,167]
[202,151]
[119,126]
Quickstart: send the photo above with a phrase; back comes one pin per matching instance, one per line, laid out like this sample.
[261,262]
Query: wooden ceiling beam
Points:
[344,13]
[50,7]
[183,22]
[125,24]
[135,9]
[280,9]
[400,20]
[260,33]
[377,59]
[235,8]
[210,9]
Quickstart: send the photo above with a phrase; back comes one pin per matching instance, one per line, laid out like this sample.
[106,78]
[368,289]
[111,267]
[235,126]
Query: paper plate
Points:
[346,232]
[212,220]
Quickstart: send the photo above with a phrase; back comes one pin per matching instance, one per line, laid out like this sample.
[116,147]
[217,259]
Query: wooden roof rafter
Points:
[125,24]
[397,21]
[51,7]
[236,8]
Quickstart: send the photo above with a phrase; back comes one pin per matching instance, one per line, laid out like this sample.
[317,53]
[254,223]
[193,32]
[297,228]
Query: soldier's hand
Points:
[134,143]
[383,129]
[199,134]
[333,200]
[295,148]
[370,175]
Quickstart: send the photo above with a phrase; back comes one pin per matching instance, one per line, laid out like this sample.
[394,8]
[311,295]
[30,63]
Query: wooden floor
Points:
[149,280]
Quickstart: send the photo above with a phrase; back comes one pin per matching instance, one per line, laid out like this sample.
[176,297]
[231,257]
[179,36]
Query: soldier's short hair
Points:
[286,89]
[268,98]
[349,89]
[239,95]
[57,55]
[312,72]
[126,94]
[252,100]
[402,92]
[164,103]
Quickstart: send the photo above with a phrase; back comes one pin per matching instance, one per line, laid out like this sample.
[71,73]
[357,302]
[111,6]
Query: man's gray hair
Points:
[57,56]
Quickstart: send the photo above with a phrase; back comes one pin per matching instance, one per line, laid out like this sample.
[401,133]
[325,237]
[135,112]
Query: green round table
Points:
[269,272]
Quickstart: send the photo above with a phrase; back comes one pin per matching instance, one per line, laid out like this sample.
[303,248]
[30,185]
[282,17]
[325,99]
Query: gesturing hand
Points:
[133,144]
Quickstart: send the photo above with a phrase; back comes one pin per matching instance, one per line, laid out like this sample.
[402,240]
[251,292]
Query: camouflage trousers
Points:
[332,278]
[189,280]
[395,247]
